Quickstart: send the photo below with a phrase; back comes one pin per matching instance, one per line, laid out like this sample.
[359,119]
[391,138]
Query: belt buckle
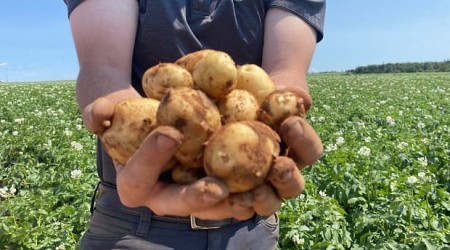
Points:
[195,226]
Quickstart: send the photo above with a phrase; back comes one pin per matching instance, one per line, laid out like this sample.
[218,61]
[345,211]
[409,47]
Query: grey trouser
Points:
[113,226]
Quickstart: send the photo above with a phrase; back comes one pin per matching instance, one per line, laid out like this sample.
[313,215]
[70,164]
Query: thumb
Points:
[97,115]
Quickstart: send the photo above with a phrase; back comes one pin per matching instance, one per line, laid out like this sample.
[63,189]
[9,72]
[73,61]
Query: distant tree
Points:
[403,67]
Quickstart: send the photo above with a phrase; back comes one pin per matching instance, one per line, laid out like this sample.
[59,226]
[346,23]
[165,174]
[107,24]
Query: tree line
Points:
[403,67]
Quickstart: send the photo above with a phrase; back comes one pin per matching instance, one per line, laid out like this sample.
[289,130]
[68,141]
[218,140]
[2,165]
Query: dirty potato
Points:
[278,106]
[255,80]
[132,121]
[241,154]
[215,74]
[238,105]
[195,116]
[189,61]
[159,78]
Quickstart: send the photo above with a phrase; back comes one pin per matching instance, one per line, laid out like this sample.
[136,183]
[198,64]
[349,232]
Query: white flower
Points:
[338,133]
[390,120]
[12,190]
[61,247]
[322,194]
[326,107]
[330,147]
[296,239]
[4,192]
[425,140]
[15,133]
[77,146]
[19,120]
[423,161]
[361,124]
[321,119]
[78,127]
[367,139]
[364,151]
[421,125]
[67,132]
[74,174]
[402,145]
[411,180]
[340,140]
[421,175]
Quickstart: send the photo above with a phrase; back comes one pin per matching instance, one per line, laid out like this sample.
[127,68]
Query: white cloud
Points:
[3,64]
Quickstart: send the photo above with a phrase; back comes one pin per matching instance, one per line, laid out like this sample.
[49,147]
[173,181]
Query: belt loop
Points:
[94,197]
[144,222]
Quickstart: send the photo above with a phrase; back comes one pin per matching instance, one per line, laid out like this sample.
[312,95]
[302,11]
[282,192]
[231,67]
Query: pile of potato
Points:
[228,115]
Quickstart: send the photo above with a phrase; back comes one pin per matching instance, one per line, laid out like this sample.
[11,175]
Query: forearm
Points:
[289,46]
[103,81]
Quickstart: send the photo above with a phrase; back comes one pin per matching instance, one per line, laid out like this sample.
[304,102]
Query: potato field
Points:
[383,181]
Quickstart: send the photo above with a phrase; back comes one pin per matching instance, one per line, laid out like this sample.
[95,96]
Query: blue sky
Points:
[36,43]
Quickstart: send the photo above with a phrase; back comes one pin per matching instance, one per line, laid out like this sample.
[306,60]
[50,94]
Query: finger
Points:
[286,178]
[136,181]
[235,206]
[155,152]
[203,195]
[305,145]
[97,115]
[266,202]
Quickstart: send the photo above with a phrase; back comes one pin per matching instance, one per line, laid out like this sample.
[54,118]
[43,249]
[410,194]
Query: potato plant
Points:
[383,182]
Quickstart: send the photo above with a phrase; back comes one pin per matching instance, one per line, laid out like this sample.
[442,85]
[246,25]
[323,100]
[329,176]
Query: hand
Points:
[285,180]
[138,182]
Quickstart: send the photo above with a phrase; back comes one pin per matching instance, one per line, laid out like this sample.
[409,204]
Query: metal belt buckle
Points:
[195,226]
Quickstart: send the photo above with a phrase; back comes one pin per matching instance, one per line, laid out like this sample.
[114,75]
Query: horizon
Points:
[37,42]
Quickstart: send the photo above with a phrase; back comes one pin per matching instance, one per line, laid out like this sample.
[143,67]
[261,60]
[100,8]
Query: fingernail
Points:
[164,142]
[295,131]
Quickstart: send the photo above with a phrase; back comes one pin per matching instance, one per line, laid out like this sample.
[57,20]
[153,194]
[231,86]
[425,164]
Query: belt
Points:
[108,199]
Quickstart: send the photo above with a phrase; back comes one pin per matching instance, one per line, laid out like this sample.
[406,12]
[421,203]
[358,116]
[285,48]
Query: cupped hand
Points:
[138,184]
[285,180]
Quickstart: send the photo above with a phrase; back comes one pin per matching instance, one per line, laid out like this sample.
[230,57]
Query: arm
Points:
[289,45]
[288,49]
[104,34]
[104,38]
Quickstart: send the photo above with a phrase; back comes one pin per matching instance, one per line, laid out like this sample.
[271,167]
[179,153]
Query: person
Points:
[136,207]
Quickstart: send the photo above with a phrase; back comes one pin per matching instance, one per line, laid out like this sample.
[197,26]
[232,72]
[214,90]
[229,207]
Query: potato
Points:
[215,74]
[241,154]
[132,121]
[195,116]
[189,61]
[255,80]
[184,175]
[238,105]
[278,106]
[159,78]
